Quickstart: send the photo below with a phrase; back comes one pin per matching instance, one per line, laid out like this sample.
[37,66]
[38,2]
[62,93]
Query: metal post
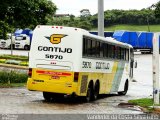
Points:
[148,24]
[155,62]
[101,18]
[11,45]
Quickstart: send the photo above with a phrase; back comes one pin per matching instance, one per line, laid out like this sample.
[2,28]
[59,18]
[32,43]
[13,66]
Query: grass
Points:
[5,85]
[153,28]
[13,77]
[14,57]
[144,102]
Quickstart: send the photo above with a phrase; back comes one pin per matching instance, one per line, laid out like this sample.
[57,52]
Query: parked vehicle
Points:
[7,43]
[141,41]
[72,62]
[23,41]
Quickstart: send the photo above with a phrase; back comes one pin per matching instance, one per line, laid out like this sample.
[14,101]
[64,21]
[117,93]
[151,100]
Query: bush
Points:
[13,77]
[14,57]
[14,62]
[24,63]
[2,60]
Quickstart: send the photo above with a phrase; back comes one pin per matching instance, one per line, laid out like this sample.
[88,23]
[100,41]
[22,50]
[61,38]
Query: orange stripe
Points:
[53,73]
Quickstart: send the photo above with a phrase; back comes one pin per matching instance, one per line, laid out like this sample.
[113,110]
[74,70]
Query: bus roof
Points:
[85,33]
[62,28]
[109,40]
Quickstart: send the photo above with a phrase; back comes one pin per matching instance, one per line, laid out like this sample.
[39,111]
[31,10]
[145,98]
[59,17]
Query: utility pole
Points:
[11,44]
[155,63]
[101,18]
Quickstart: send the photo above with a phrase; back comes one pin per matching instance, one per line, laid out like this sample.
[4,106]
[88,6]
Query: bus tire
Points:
[89,95]
[47,96]
[125,89]
[96,90]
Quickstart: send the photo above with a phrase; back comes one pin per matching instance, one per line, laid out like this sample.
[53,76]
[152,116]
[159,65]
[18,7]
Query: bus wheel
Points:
[89,95]
[47,96]
[26,47]
[96,90]
[125,89]
[90,92]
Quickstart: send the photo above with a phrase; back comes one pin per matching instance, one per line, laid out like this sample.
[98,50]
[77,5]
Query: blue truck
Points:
[141,41]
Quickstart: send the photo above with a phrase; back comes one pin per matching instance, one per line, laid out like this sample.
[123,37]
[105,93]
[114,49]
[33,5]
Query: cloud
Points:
[74,6]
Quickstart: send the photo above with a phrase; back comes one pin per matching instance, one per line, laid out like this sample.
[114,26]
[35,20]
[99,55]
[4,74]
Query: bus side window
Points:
[113,51]
[93,48]
[101,49]
[119,53]
[109,50]
[127,54]
[97,49]
[89,47]
[84,47]
[122,53]
[105,50]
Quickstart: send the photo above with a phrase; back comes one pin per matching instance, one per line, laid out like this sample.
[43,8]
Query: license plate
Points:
[55,77]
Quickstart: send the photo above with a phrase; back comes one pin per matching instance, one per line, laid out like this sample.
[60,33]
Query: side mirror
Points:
[135,64]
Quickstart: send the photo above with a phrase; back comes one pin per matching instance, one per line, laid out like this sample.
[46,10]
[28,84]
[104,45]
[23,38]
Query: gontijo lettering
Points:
[55,49]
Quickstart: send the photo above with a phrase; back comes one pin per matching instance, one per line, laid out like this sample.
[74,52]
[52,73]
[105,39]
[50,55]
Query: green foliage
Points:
[2,60]
[111,19]
[4,28]
[4,85]
[157,10]
[153,28]
[24,63]
[14,57]
[144,102]
[14,62]
[24,13]
[85,25]
[12,77]
[132,17]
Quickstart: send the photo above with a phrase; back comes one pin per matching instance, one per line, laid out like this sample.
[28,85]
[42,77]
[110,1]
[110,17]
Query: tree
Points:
[85,13]
[26,13]
[4,27]
[157,10]
[85,25]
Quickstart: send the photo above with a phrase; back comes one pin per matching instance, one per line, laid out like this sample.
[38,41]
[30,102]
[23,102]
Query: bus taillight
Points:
[30,72]
[76,75]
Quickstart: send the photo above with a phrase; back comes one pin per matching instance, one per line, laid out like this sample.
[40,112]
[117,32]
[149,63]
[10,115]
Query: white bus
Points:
[71,61]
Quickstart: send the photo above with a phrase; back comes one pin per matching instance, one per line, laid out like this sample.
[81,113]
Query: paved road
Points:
[20,100]
[15,52]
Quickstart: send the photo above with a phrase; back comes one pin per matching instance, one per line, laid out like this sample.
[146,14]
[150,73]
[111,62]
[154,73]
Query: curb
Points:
[14,66]
[157,109]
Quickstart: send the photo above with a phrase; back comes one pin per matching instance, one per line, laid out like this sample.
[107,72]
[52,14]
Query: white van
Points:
[7,43]
[22,41]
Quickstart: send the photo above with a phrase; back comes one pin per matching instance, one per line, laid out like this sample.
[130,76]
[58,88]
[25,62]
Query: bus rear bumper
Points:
[65,88]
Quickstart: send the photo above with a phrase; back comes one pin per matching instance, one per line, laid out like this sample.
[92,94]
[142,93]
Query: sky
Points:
[75,6]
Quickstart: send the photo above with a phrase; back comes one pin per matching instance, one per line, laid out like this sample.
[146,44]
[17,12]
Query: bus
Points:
[70,61]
